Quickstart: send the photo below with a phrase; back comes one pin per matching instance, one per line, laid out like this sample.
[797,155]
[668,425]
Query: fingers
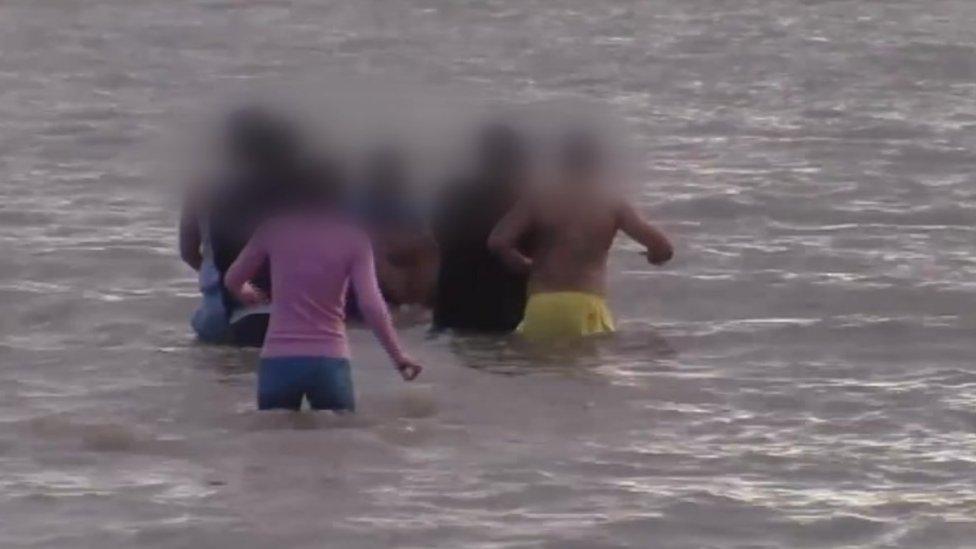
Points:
[252,295]
[410,372]
[658,256]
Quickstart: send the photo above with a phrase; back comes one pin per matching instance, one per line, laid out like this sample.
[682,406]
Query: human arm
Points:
[504,239]
[190,239]
[375,312]
[238,276]
[659,249]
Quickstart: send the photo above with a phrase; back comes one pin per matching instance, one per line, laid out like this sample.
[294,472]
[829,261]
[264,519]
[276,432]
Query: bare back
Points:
[575,226]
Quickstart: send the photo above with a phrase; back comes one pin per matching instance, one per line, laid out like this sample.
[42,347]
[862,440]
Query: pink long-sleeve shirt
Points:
[313,258]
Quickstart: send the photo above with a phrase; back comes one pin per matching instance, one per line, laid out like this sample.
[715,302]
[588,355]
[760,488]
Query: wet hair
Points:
[580,152]
[501,150]
[260,138]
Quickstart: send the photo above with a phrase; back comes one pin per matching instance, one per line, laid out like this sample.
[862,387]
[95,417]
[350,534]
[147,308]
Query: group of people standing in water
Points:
[286,252]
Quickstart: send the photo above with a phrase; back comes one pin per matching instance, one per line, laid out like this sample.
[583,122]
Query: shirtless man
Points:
[575,222]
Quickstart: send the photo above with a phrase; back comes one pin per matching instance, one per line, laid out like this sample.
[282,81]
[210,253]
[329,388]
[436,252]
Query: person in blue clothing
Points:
[217,220]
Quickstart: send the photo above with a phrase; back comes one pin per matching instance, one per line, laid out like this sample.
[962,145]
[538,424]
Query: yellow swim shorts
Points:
[565,315]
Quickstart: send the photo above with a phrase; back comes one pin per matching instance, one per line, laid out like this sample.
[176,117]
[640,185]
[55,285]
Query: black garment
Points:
[250,330]
[236,210]
[475,290]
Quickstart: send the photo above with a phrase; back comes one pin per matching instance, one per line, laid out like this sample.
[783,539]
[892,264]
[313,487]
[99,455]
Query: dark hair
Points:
[317,185]
[501,150]
[260,138]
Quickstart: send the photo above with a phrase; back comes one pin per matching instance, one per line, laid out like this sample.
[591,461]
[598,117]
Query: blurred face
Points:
[504,164]
[386,173]
[257,138]
[580,157]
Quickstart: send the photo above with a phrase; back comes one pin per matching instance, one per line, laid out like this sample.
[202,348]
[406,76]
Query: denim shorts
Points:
[325,381]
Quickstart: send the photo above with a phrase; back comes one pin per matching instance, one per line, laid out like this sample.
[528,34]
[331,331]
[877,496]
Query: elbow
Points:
[233,285]
[375,314]
[497,244]
[192,258]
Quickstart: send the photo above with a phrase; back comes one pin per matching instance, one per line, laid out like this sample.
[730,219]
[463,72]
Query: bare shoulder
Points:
[619,205]
[528,205]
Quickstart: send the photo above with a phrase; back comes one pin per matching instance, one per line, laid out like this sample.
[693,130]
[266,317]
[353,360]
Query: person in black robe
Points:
[475,291]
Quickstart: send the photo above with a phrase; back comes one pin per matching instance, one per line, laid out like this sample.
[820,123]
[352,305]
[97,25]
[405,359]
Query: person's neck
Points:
[312,211]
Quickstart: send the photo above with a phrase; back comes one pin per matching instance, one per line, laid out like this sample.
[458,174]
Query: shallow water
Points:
[801,376]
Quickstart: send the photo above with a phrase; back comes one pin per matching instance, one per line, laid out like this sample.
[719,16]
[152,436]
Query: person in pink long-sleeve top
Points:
[314,254]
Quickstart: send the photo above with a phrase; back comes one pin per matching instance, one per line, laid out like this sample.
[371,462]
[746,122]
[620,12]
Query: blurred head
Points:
[259,139]
[386,171]
[580,155]
[317,186]
[501,152]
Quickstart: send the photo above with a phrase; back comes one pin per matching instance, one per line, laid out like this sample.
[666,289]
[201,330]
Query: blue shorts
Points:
[325,381]
[209,321]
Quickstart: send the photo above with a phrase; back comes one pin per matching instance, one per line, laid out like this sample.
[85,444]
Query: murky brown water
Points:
[801,376]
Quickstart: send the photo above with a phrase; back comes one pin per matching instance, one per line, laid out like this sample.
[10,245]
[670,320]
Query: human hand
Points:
[408,368]
[656,258]
[252,295]
[518,263]
[525,265]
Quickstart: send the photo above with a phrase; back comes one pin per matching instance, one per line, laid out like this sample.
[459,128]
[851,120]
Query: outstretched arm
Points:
[505,237]
[374,311]
[659,249]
